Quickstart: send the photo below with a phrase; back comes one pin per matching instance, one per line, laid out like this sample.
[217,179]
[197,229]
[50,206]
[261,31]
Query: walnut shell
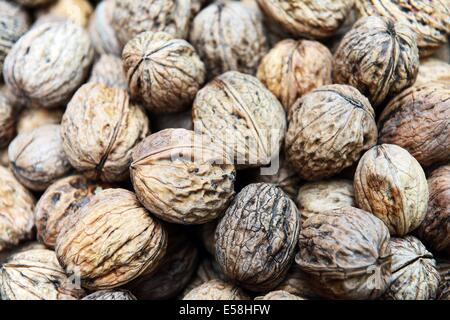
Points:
[321,196]
[41,62]
[430,20]
[103,35]
[296,283]
[378,57]
[431,70]
[77,11]
[346,254]
[61,199]
[256,238]
[329,129]
[443,266]
[6,254]
[216,290]
[311,19]
[36,275]
[37,157]
[207,270]
[16,211]
[414,274]
[293,68]
[116,294]
[164,72]
[7,120]
[33,118]
[229,35]
[418,120]
[237,111]
[182,178]
[435,228]
[111,241]
[99,130]
[391,184]
[108,70]
[279,295]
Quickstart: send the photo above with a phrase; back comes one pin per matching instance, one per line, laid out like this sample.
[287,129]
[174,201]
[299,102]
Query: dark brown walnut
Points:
[41,62]
[117,294]
[391,184]
[279,295]
[16,211]
[5,254]
[110,241]
[308,18]
[378,57]
[7,120]
[414,274]
[238,112]
[172,121]
[77,11]
[162,71]
[431,70]
[430,20]
[37,157]
[435,228]
[36,275]
[296,282]
[61,199]
[181,177]
[418,120]
[229,35]
[345,253]
[256,238]
[34,3]
[103,35]
[100,127]
[443,266]
[216,290]
[329,129]
[33,118]
[293,68]
[108,70]
[321,196]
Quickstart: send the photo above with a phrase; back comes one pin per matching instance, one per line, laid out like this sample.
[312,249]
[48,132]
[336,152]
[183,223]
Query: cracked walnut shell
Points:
[216,290]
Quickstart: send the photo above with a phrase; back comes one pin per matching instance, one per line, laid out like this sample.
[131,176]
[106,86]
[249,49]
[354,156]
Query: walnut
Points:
[103,35]
[430,20]
[99,130]
[7,120]
[329,129]
[378,57]
[16,211]
[431,70]
[256,238]
[229,35]
[279,295]
[108,70]
[418,120]
[36,275]
[172,121]
[311,19]
[296,283]
[116,294]
[207,270]
[321,196]
[5,254]
[110,241]
[61,199]
[37,157]
[216,290]
[182,178]
[237,111]
[435,228]
[164,72]
[41,62]
[346,254]
[414,274]
[443,266]
[293,68]
[77,11]
[391,184]
[33,118]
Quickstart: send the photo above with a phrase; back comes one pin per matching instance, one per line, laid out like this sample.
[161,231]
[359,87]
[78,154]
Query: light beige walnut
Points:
[33,118]
[216,290]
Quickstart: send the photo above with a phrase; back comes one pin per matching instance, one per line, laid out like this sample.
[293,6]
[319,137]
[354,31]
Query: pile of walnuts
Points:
[224,150]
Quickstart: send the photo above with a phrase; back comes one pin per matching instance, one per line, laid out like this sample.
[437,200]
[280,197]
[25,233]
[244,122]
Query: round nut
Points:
[216,290]
[431,70]
[103,35]
[279,295]
[33,118]
[108,70]
[117,294]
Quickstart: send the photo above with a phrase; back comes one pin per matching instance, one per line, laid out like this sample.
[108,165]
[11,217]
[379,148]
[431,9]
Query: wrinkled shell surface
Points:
[433,70]
[108,70]
[296,283]
[33,118]
[42,61]
[216,290]
[391,184]
[164,72]
[378,57]
[103,35]
[77,11]
[443,267]
[279,295]
[181,178]
[329,129]
[7,120]
[207,270]
[418,120]
[99,129]
[256,238]
[346,254]
[111,241]
[6,254]
[118,294]
[238,112]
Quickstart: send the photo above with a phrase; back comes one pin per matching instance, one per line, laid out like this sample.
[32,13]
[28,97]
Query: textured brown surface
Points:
[207,270]
[41,63]
[391,184]
[414,274]
[118,294]
[418,120]
[164,72]
[329,129]
[111,241]
[378,57]
[78,11]
[279,295]
[99,129]
[432,69]
[33,118]
[216,290]
[237,111]
[101,32]
[25,246]
[443,266]
[108,70]
[346,254]
[296,283]
[181,178]
[7,120]
[256,238]
[229,35]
